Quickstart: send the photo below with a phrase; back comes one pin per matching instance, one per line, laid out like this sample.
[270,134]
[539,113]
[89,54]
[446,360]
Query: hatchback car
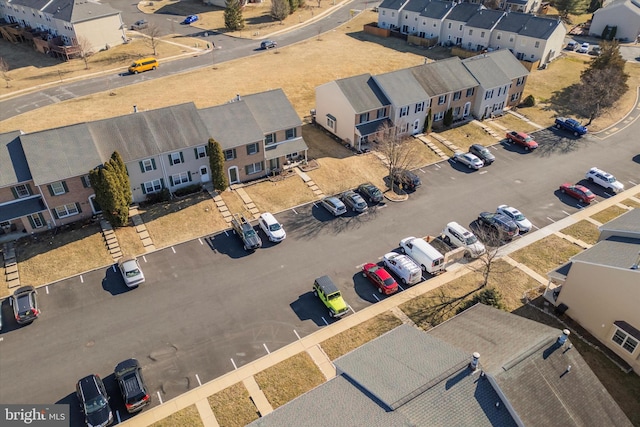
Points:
[524,225]
[333,205]
[584,48]
[522,139]
[131,272]
[94,401]
[134,392]
[482,153]
[380,277]
[370,192]
[25,305]
[268,44]
[604,179]
[408,180]
[579,192]
[271,227]
[190,19]
[506,228]
[140,25]
[354,201]
[470,160]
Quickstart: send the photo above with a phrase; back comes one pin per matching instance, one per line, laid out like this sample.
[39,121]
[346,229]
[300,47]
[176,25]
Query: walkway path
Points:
[433,146]
[312,185]
[141,229]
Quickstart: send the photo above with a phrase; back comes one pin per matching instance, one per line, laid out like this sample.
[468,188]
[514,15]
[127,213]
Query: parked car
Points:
[470,160]
[94,401]
[380,277]
[406,179]
[25,305]
[243,228]
[333,205]
[131,272]
[190,19]
[595,51]
[482,153]
[426,256]
[459,237]
[572,45]
[271,227]
[268,44]
[506,228]
[354,201]
[572,125]
[140,25]
[404,267]
[522,139]
[134,392]
[370,192]
[577,191]
[584,48]
[330,295]
[604,179]
[524,225]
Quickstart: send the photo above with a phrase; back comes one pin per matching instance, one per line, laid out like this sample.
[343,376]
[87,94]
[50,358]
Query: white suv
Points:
[271,227]
[604,179]
[458,236]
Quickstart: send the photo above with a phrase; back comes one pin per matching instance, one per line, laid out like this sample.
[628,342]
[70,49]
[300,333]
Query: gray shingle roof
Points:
[363,93]
[416,5]
[513,22]
[20,208]
[401,88]
[292,146]
[485,19]
[629,221]
[508,63]
[437,9]
[463,12]
[232,124]
[620,252]
[392,4]
[73,11]
[272,110]
[13,164]
[540,28]
[486,71]
[445,76]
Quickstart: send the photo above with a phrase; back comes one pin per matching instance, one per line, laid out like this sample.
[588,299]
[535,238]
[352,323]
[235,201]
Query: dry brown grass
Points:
[82,248]
[233,406]
[181,220]
[464,136]
[280,195]
[129,241]
[187,417]
[234,203]
[321,144]
[583,230]
[422,154]
[289,379]
[608,214]
[337,175]
[353,338]
[511,122]
[546,254]
[631,203]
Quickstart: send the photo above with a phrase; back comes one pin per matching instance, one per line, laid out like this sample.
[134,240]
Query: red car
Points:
[380,277]
[521,138]
[579,192]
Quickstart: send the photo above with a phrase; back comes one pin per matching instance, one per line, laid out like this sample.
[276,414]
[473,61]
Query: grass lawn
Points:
[631,203]
[321,144]
[337,175]
[422,154]
[129,241]
[233,406]
[583,230]
[289,379]
[464,136]
[281,195]
[234,203]
[608,214]
[344,342]
[546,254]
[187,417]
[511,122]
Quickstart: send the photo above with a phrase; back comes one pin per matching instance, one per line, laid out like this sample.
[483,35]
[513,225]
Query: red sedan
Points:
[522,139]
[579,192]
[380,277]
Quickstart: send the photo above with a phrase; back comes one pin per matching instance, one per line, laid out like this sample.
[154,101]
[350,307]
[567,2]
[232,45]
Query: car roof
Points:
[268,218]
[89,386]
[326,284]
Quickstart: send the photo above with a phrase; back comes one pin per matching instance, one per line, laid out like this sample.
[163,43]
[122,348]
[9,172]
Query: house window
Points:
[482,34]
[67,210]
[419,107]
[152,186]
[270,139]
[456,112]
[537,45]
[404,111]
[393,14]
[147,165]
[520,81]
[292,156]
[331,123]
[381,113]
[515,97]
[470,32]
[510,39]
[253,148]
[625,341]
[291,133]
[200,152]
[86,182]
[449,26]
[58,188]
[364,117]
[229,154]
[180,178]
[438,116]
[36,220]
[457,95]
[488,94]
[499,36]
[442,99]
[21,191]
[384,12]
[253,168]
[176,158]
[460,29]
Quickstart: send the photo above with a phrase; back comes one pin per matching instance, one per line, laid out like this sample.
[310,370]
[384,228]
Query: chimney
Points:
[135,108]
[563,338]
[475,359]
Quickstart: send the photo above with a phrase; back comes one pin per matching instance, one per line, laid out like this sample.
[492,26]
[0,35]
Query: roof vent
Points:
[563,338]
[475,359]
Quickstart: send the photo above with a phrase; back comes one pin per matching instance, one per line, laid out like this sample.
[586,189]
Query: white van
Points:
[458,236]
[425,255]
[404,267]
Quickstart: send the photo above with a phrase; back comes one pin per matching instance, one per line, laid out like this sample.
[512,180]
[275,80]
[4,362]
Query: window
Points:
[537,45]
[270,139]
[253,148]
[58,188]
[293,155]
[457,95]
[510,39]
[515,97]
[291,133]
[470,32]
[482,34]
[419,107]
[449,26]
[470,92]
[364,117]
[200,152]
[499,36]
[86,182]
[253,168]
[623,339]
[456,112]
[442,99]
[21,191]
[381,113]
[331,123]
[36,220]
[180,178]
[488,94]
[404,111]
[520,81]
[152,186]
[67,210]
[176,158]
[460,27]
[438,116]
[229,154]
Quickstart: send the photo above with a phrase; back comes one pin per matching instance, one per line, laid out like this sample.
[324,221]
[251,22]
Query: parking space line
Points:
[118,416]
[632,183]
[1,339]
[234,364]
[534,226]
[482,172]
[159,398]
[226,234]
[567,213]
[401,288]
[296,332]
[265,347]
[46,288]
[114,268]
[325,321]
[198,378]
[383,206]
[294,211]
[549,220]
[144,258]
[376,297]
[352,309]
[421,170]
[173,249]
[200,240]
[438,166]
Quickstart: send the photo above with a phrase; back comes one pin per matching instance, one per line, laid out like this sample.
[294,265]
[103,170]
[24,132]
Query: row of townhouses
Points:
[473,27]
[44,175]
[356,108]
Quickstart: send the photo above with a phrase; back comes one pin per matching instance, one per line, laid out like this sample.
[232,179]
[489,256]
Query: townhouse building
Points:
[477,30]
[432,17]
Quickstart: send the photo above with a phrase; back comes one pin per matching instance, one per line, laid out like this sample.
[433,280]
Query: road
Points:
[208,307]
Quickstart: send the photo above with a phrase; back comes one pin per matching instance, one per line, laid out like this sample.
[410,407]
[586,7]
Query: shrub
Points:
[529,101]
[448,117]
[161,196]
[189,189]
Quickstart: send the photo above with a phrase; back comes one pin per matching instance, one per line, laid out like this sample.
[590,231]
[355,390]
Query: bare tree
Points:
[280,9]
[397,148]
[4,70]
[153,37]
[486,263]
[85,49]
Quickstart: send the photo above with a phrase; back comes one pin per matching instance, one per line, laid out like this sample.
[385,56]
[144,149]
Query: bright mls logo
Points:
[34,415]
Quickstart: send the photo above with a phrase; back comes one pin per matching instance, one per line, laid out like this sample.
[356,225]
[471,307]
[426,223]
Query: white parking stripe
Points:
[118,416]
[198,378]
[159,398]
[46,288]
[265,347]
[401,288]
[534,226]
[200,240]
[325,321]
[114,268]
[296,332]
[173,249]
[226,234]
[144,258]
[549,220]
[438,166]
[421,170]
[376,297]
[294,211]
[234,364]
[566,213]
[632,183]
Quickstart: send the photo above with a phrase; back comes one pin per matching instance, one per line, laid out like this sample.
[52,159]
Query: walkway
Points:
[312,185]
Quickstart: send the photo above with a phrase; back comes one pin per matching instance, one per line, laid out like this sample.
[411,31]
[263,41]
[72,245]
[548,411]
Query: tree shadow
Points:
[321,221]
[322,143]
[401,45]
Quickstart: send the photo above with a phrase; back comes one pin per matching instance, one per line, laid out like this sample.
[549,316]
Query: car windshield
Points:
[250,233]
[96,404]
[470,240]
[587,192]
[519,217]
[334,296]
[133,273]
[389,281]
[528,138]
[275,227]
[483,151]
[612,179]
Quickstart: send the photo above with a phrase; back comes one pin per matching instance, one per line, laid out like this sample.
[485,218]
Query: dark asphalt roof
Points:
[507,63]
[363,93]
[513,22]
[621,252]
[232,124]
[401,88]
[540,28]
[13,164]
[463,12]
[437,9]
[392,4]
[416,5]
[272,110]
[444,76]
[485,19]
[20,208]
[629,221]
[73,11]
[486,71]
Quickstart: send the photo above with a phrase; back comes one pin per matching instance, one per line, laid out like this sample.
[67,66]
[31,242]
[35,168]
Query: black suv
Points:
[483,153]
[406,179]
[94,401]
[25,305]
[134,393]
[370,192]
[505,226]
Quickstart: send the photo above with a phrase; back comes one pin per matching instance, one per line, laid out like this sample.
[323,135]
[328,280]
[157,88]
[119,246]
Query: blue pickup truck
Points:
[572,125]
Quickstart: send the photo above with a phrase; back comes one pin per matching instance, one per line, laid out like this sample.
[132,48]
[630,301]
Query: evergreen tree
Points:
[573,7]
[280,9]
[448,117]
[216,163]
[293,5]
[428,122]
[113,190]
[233,19]
[489,296]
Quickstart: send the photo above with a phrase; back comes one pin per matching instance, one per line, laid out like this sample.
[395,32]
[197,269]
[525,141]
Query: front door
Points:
[416,126]
[274,164]
[204,174]
[233,175]
[95,207]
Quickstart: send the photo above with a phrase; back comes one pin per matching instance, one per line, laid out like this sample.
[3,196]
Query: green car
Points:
[329,294]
